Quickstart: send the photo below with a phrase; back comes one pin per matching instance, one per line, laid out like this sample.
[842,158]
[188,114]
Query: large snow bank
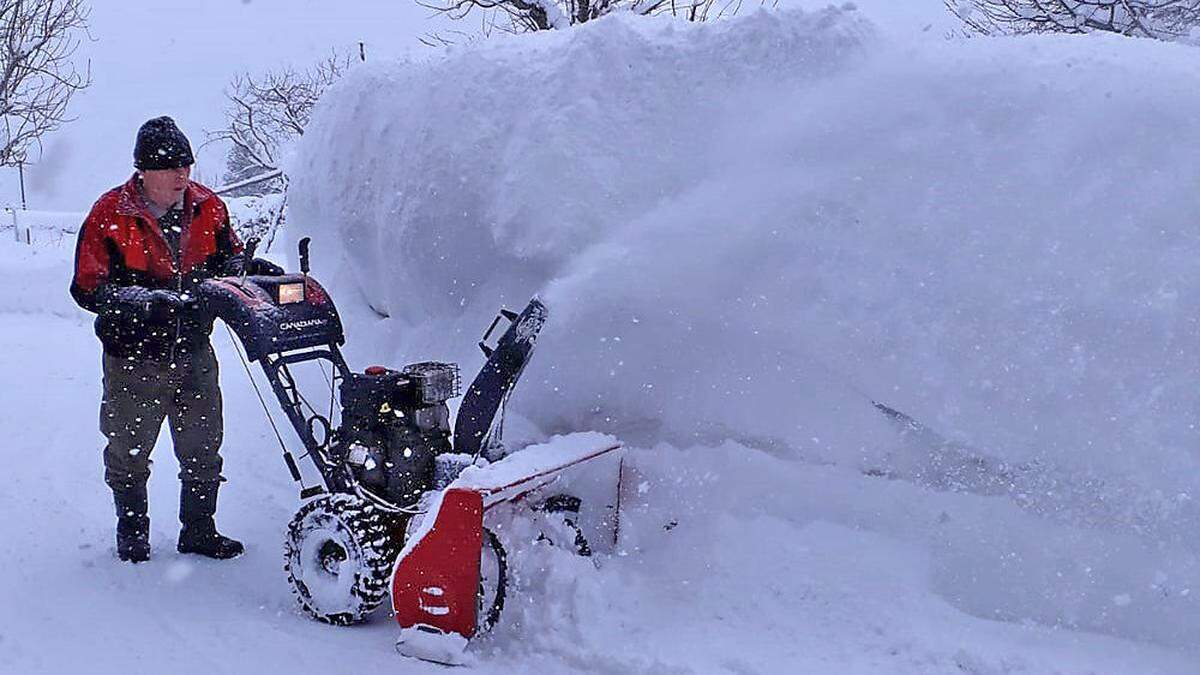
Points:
[456,184]
[752,230]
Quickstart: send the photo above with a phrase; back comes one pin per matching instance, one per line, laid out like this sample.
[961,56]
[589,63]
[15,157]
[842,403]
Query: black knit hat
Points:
[161,145]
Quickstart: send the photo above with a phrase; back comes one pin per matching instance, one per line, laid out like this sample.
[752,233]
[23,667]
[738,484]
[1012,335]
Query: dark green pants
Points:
[139,394]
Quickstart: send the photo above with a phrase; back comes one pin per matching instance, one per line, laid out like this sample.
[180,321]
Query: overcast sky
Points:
[174,57]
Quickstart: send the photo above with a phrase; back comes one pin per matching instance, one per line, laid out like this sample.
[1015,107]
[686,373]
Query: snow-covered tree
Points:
[240,166]
[1160,19]
[257,216]
[266,114]
[38,74]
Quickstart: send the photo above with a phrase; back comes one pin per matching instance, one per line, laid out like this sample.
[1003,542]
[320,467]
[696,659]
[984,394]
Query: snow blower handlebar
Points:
[281,321]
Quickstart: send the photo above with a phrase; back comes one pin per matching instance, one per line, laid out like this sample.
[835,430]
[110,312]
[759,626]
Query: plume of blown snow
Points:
[483,176]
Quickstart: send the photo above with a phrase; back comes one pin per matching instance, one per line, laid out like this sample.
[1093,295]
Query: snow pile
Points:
[36,277]
[455,185]
[825,572]
[754,230]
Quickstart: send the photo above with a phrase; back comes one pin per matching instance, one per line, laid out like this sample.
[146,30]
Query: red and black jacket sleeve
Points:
[94,258]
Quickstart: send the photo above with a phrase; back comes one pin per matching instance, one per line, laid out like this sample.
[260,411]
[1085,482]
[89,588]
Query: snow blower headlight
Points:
[291,293]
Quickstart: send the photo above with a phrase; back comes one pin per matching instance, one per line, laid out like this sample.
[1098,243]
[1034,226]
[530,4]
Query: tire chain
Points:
[373,533]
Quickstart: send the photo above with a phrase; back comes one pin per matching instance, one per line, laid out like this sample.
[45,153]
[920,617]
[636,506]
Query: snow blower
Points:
[397,507]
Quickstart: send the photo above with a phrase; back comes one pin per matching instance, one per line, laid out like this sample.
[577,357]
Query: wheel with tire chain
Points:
[338,557]
[493,583]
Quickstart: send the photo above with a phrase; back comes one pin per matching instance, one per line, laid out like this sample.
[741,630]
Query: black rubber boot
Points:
[133,525]
[197,506]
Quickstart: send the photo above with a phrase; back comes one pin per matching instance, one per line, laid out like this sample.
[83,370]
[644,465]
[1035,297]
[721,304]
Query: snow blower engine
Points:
[389,512]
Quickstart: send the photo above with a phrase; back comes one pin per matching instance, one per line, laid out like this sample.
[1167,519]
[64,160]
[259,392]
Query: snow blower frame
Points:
[389,515]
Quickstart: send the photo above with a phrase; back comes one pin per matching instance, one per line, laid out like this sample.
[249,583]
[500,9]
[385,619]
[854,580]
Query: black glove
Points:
[192,302]
[153,304]
[164,304]
[237,265]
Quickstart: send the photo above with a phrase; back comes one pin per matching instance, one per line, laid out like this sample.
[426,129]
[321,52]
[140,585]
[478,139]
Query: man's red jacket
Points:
[120,244]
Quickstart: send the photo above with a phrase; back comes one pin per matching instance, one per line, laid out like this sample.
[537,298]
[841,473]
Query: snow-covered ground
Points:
[746,233]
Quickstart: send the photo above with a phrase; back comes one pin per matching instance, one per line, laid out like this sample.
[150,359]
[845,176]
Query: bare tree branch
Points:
[266,113]
[1159,19]
[527,16]
[38,75]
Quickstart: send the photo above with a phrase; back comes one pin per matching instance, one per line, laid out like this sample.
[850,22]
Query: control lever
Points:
[248,256]
[304,255]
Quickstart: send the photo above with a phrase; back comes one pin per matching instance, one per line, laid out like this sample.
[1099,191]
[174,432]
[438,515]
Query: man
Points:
[142,251]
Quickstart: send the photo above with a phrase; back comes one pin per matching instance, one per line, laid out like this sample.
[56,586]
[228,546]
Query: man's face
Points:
[166,185]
